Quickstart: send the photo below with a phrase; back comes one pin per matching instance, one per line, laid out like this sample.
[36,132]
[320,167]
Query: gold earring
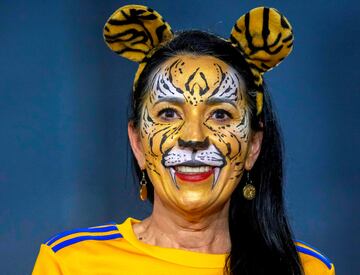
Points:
[143,188]
[249,191]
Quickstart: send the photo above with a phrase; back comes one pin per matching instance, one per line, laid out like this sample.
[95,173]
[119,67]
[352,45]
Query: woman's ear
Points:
[254,149]
[136,145]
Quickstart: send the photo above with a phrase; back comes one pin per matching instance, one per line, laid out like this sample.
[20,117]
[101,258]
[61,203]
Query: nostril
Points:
[195,145]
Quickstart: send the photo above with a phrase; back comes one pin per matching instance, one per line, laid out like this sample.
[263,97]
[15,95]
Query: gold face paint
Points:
[195,132]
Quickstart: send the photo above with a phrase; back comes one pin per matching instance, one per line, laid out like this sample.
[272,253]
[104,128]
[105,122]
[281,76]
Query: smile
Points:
[194,166]
[194,173]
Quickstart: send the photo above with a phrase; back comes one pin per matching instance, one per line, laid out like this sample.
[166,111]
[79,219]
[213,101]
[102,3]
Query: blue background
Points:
[64,160]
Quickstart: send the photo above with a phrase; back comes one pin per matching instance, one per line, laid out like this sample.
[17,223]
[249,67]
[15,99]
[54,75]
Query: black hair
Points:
[261,239]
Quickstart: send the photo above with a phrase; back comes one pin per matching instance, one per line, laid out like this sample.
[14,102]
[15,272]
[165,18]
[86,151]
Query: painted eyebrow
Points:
[170,99]
[216,100]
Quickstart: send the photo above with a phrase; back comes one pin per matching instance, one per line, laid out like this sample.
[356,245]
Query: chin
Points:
[193,204]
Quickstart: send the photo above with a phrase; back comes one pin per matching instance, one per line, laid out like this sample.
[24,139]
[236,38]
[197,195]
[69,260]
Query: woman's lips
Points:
[194,176]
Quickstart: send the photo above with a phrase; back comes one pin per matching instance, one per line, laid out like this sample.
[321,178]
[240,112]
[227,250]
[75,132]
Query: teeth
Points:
[188,169]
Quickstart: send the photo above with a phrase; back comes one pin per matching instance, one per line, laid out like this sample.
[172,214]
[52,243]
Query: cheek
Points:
[230,139]
[233,143]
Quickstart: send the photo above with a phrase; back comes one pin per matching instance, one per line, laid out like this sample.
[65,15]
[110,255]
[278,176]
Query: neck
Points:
[200,233]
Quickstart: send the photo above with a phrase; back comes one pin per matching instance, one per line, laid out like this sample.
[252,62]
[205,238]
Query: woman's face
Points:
[195,133]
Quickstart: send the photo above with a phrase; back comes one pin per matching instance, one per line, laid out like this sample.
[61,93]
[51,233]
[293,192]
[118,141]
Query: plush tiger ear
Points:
[133,31]
[264,36]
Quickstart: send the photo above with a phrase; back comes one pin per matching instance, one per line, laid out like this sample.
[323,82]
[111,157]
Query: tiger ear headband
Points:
[263,36]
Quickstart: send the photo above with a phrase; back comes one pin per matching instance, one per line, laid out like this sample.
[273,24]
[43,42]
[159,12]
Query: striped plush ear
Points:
[264,36]
[133,31]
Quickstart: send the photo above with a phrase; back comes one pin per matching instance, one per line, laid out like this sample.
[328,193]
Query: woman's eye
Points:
[221,115]
[168,114]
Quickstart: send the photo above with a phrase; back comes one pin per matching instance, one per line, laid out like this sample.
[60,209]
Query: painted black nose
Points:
[195,145]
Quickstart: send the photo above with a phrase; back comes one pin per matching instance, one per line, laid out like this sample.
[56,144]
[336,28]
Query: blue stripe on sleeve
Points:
[84,238]
[304,243]
[48,239]
[304,250]
[80,230]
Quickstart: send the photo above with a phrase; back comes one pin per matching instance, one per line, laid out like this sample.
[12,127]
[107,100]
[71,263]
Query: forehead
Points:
[196,67]
[194,78]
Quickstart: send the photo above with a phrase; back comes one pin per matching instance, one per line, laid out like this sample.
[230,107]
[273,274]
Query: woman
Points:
[208,155]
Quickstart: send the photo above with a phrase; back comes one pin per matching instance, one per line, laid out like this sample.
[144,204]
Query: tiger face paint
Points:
[195,132]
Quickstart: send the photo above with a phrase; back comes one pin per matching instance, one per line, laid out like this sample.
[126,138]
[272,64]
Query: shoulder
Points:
[79,236]
[73,251]
[313,261]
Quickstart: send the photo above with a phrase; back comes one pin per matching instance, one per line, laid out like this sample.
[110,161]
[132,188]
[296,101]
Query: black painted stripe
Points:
[191,77]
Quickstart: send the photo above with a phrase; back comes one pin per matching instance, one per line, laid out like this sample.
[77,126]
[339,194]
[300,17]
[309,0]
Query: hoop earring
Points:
[249,191]
[143,188]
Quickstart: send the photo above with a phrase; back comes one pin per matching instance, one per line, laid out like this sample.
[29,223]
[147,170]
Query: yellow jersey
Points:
[115,249]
